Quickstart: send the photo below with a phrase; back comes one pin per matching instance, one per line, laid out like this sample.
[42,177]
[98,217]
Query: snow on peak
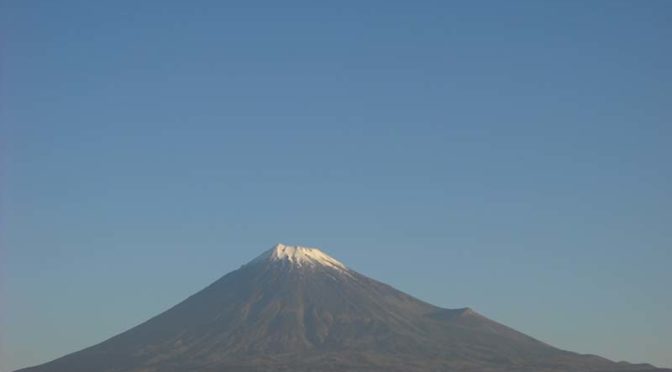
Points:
[301,256]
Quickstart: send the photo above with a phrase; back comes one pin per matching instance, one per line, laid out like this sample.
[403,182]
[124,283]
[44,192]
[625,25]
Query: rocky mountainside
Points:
[298,309]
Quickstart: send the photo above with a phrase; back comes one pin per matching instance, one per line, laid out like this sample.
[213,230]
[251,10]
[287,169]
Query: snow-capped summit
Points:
[300,256]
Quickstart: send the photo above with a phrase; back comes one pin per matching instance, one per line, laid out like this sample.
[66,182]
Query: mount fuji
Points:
[297,309]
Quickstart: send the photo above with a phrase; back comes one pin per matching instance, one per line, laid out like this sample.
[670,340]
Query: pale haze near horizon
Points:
[513,158]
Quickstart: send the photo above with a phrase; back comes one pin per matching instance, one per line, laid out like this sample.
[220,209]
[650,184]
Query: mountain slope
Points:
[297,309]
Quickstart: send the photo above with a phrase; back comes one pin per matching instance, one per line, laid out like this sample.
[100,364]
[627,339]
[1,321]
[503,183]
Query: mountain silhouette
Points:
[298,309]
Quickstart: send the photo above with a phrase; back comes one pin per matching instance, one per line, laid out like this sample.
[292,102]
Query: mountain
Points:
[298,309]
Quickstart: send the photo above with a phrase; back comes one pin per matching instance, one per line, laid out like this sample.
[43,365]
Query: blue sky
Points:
[514,158]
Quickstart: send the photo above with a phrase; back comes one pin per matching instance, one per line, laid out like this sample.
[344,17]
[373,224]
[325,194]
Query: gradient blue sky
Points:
[514,158]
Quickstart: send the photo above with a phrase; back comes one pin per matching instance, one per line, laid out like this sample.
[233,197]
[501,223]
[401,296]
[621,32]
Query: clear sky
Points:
[513,157]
